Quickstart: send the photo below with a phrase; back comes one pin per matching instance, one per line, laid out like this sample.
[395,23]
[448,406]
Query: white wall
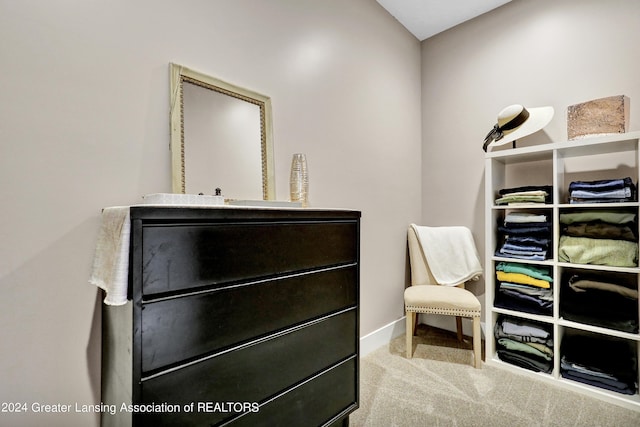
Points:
[84,124]
[535,53]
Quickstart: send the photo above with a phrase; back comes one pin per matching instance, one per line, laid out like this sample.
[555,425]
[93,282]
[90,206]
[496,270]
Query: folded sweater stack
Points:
[597,300]
[524,287]
[601,237]
[527,195]
[602,362]
[524,343]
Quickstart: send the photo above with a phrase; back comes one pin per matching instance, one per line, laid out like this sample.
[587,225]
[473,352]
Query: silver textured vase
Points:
[299,180]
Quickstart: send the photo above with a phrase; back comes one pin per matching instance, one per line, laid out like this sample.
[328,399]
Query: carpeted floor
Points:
[440,387]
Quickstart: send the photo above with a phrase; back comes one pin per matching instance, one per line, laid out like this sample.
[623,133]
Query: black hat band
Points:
[497,132]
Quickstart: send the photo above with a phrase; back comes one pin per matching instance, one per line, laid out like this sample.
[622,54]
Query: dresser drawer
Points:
[179,329]
[189,256]
[314,403]
[260,371]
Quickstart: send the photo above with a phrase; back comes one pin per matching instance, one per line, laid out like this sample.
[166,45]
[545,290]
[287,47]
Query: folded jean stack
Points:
[600,237]
[524,287]
[525,236]
[596,300]
[603,191]
[524,343]
[598,361]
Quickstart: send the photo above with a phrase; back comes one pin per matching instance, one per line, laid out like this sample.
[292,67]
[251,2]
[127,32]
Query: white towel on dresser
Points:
[450,252]
[111,261]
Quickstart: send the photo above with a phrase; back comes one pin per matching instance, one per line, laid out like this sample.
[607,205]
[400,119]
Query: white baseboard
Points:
[385,334]
[382,336]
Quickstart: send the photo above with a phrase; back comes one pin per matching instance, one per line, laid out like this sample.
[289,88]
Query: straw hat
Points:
[515,122]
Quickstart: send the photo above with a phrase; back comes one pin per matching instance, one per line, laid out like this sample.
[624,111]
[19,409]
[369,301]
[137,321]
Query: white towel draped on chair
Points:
[450,252]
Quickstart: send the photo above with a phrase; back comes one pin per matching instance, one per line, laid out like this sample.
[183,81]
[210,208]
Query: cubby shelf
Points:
[557,164]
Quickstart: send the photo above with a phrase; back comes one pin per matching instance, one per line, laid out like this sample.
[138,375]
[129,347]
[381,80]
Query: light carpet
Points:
[440,387]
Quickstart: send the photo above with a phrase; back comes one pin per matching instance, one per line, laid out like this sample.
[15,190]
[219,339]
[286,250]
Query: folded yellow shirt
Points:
[522,279]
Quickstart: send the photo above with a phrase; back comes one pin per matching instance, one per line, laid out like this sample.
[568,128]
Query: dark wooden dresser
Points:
[238,316]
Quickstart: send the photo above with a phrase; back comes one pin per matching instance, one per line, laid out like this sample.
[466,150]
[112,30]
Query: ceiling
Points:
[426,18]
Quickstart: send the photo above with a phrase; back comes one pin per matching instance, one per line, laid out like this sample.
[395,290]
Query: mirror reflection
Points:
[220,138]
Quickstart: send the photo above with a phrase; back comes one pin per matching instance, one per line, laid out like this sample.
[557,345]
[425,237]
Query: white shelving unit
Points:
[558,164]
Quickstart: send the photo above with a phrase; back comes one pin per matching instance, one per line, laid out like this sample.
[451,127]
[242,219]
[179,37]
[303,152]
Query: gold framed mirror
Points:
[221,137]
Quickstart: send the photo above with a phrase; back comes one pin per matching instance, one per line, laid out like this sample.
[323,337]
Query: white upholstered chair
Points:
[427,295]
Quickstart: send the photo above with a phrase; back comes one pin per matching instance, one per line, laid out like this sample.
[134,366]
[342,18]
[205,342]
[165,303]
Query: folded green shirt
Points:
[582,250]
[520,199]
[530,270]
[524,348]
[612,217]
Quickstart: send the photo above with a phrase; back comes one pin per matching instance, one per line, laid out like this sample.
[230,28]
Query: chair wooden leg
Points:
[477,342]
[459,327]
[411,316]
